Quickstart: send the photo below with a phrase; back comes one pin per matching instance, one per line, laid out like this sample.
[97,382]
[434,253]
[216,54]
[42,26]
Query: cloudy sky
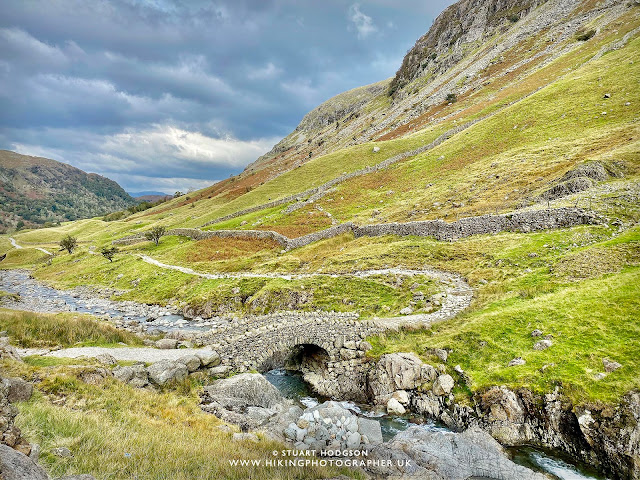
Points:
[170,95]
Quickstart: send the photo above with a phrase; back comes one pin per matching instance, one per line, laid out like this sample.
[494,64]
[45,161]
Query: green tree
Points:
[69,243]
[155,234]
[109,252]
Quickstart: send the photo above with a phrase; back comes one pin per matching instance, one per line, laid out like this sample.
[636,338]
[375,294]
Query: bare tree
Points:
[109,252]
[155,234]
[69,243]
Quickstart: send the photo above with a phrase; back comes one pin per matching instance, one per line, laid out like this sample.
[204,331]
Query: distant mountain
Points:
[35,190]
[147,193]
[153,198]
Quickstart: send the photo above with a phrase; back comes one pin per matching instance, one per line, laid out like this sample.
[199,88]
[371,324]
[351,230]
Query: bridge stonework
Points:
[265,342]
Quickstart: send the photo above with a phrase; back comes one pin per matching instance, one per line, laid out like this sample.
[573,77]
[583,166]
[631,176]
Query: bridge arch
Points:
[306,356]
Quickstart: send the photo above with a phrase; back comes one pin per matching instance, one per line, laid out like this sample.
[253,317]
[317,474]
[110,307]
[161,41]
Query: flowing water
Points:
[38,297]
[292,386]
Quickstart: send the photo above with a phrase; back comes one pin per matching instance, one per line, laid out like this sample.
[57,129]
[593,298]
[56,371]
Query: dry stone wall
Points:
[525,221]
[316,193]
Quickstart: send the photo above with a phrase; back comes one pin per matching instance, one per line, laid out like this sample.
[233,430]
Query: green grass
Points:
[591,320]
[23,258]
[8,296]
[368,296]
[29,329]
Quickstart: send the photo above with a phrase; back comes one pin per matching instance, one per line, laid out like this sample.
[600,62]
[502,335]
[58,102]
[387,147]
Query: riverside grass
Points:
[119,432]
[29,330]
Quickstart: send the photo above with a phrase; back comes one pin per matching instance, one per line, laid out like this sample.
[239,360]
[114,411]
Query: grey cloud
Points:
[79,77]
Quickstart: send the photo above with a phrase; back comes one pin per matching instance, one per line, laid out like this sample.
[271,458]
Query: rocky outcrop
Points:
[10,434]
[422,454]
[605,436]
[398,371]
[465,23]
[580,178]
[15,465]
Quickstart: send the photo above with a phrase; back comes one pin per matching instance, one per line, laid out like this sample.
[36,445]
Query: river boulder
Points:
[249,400]
[419,453]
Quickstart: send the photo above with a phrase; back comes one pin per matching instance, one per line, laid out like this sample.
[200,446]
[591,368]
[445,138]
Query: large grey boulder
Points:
[398,371]
[166,371]
[419,453]
[17,466]
[167,343]
[208,358]
[135,375]
[250,401]
[192,362]
[244,390]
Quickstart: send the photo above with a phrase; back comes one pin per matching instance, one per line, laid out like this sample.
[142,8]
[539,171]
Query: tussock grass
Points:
[29,329]
[118,432]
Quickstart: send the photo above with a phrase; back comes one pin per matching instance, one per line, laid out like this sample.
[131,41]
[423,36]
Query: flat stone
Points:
[62,452]
[167,343]
[610,366]
[245,437]
[542,344]
[106,359]
[516,361]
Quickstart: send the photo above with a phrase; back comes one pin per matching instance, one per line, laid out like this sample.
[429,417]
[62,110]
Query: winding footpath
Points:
[236,340]
[20,247]
[456,296]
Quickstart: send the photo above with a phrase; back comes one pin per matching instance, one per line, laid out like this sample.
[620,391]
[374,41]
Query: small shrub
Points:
[452,98]
[109,252]
[583,36]
[513,18]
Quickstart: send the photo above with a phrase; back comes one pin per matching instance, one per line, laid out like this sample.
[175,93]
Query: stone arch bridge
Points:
[266,342]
